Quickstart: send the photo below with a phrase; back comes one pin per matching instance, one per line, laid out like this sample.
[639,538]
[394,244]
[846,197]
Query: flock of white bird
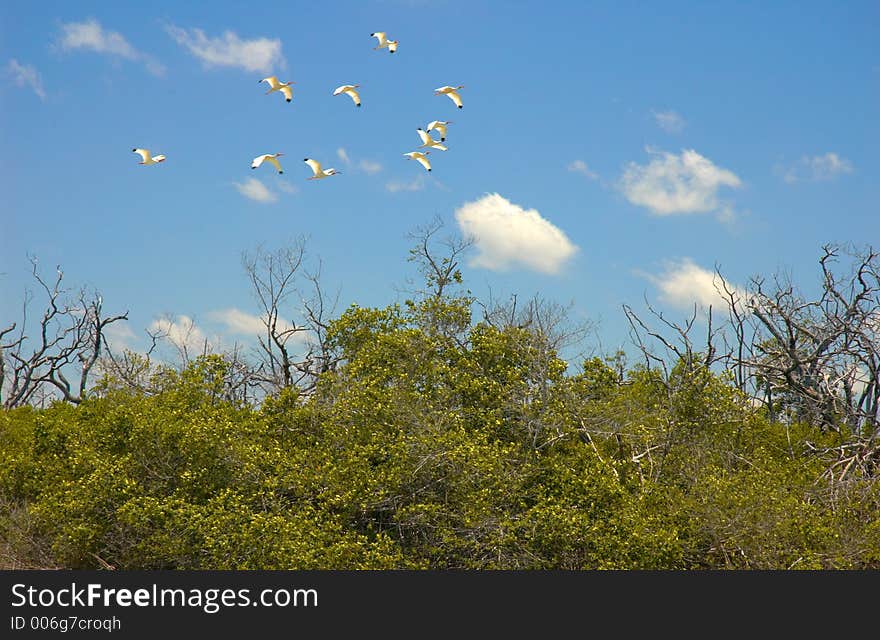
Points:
[350,90]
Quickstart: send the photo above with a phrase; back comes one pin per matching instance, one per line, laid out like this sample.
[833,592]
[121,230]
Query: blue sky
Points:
[631,147]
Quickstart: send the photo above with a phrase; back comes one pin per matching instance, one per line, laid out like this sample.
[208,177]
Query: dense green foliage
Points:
[436,442]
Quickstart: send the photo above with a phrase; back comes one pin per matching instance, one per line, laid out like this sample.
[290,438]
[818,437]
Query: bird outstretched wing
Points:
[315,165]
[276,163]
[353,94]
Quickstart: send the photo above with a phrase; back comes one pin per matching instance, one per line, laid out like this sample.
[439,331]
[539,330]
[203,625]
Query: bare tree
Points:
[820,358]
[550,320]
[439,269]
[131,369]
[293,350]
[812,359]
[67,342]
[676,340]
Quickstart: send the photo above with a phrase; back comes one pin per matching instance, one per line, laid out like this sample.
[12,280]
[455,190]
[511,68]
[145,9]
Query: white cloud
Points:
[789,174]
[579,166]
[25,74]
[683,283]
[242,323]
[671,184]
[828,166]
[256,190]
[669,121]
[182,333]
[259,54]
[119,336]
[90,35]
[286,186]
[507,235]
[416,184]
[238,321]
[815,168]
[369,167]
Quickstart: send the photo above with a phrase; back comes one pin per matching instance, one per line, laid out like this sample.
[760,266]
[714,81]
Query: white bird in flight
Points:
[318,171]
[384,42]
[452,93]
[428,141]
[147,158]
[350,90]
[440,127]
[420,156]
[283,87]
[268,157]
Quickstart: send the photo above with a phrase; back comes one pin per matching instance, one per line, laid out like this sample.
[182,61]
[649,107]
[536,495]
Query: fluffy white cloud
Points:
[26,75]
[255,190]
[416,184]
[286,186]
[90,35]
[119,336]
[824,167]
[684,283]
[238,321]
[669,121]
[671,184]
[508,235]
[579,166]
[828,166]
[243,323]
[228,50]
[181,332]
[369,167]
